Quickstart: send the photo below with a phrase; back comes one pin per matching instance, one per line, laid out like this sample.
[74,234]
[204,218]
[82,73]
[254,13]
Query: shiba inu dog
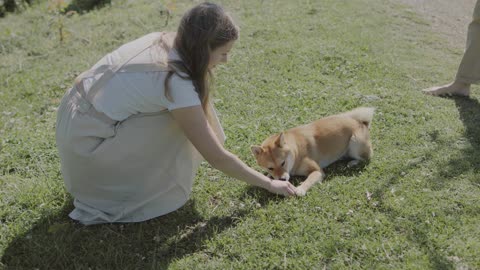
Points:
[306,149]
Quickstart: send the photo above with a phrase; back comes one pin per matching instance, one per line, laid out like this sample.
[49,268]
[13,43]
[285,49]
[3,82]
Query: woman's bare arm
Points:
[193,122]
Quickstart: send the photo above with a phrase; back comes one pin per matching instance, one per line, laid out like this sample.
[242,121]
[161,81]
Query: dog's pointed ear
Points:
[256,150]
[280,141]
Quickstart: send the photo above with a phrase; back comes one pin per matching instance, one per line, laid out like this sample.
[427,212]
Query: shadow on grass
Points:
[469,110]
[468,159]
[83,6]
[418,231]
[56,242]
[412,225]
[341,168]
[338,168]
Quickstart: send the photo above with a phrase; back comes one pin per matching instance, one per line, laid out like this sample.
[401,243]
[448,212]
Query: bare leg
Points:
[469,68]
[455,88]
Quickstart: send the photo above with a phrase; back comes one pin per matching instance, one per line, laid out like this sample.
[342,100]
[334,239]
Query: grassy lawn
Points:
[416,205]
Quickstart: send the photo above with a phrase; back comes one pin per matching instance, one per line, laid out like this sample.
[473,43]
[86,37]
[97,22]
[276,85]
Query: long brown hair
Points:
[202,29]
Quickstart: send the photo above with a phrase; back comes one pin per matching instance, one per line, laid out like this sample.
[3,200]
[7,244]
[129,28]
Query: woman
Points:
[131,131]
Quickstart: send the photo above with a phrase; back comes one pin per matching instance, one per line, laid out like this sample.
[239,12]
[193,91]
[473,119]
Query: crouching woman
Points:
[133,129]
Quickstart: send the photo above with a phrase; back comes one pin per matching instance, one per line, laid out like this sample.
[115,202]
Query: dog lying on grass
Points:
[306,149]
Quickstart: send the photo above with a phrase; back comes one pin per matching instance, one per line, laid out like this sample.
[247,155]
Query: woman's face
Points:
[220,54]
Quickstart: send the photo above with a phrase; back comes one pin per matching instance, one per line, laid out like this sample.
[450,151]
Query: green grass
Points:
[416,205]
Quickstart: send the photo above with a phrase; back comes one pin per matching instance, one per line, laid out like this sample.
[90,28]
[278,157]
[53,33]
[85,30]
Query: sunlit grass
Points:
[414,206]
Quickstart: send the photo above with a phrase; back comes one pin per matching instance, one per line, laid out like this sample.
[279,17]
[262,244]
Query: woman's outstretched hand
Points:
[284,188]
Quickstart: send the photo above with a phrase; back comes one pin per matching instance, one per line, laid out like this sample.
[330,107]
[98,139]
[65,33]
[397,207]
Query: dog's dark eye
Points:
[270,169]
[283,163]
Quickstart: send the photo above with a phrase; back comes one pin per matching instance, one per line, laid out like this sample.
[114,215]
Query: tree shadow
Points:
[83,6]
[419,233]
[416,231]
[56,242]
[469,159]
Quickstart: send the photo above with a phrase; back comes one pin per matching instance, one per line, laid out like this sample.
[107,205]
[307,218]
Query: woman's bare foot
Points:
[454,88]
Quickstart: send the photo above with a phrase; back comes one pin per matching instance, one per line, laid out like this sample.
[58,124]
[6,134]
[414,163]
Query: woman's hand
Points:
[284,188]
[193,122]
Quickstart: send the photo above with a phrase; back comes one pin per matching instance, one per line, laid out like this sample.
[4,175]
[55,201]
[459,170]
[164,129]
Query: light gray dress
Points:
[130,170]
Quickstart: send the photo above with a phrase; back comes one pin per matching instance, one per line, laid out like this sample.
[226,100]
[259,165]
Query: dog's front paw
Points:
[301,192]
[353,163]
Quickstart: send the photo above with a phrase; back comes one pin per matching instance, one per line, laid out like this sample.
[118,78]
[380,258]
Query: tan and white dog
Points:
[306,149]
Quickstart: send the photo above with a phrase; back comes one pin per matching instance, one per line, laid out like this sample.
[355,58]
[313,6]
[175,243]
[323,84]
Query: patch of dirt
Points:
[449,18]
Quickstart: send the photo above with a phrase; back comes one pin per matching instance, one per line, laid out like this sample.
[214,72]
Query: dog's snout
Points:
[285,176]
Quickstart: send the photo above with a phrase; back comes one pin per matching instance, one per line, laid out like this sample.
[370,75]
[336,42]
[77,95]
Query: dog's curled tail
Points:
[362,114]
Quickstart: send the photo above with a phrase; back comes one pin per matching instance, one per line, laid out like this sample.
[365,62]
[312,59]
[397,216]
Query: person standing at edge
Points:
[132,130]
[469,70]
